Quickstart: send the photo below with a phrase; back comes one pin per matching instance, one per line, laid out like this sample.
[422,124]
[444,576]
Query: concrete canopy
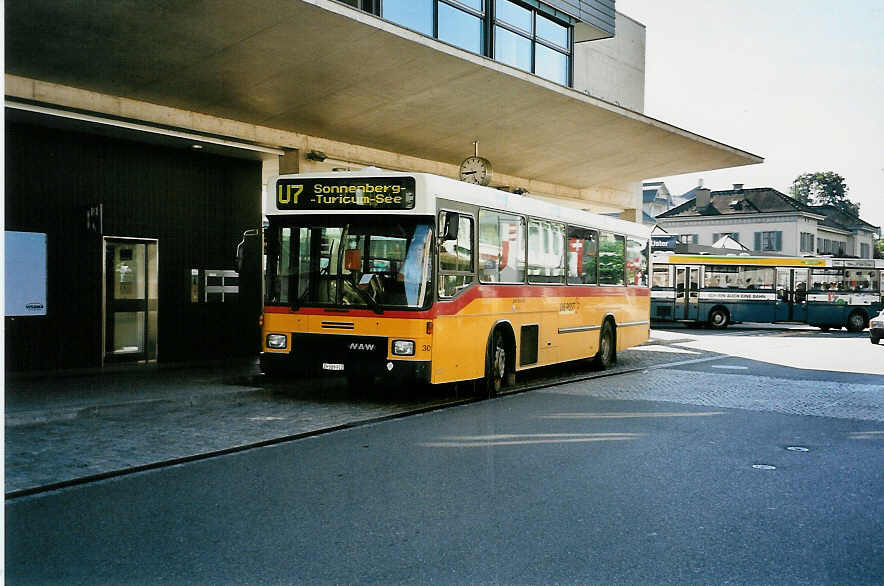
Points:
[320,68]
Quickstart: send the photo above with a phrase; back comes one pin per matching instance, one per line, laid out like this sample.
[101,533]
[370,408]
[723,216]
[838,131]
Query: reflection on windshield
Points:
[361,263]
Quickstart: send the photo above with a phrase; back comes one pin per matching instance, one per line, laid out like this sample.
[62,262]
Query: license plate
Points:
[328,366]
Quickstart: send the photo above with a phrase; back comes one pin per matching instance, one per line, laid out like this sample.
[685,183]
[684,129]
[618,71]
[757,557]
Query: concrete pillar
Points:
[289,162]
[631,214]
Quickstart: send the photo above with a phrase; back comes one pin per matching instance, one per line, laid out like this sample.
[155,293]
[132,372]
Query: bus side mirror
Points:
[452,223]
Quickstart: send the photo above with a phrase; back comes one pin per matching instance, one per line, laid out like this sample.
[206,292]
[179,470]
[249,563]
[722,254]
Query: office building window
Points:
[461,28]
[526,38]
[512,49]
[366,5]
[529,36]
[414,14]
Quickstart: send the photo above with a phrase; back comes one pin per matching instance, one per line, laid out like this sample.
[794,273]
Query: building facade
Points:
[765,220]
[146,133]
[656,199]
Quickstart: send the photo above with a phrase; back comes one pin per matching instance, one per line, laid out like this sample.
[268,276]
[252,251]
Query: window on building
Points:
[456,266]
[718,236]
[865,251]
[527,38]
[462,28]
[366,5]
[612,259]
[807,242]
[769,241]
[689,238]
[546,252]
[528,35]
[501,247]
[414,14]
[582,256]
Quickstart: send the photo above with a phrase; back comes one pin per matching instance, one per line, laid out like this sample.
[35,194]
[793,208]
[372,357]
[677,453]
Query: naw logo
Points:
[363,347]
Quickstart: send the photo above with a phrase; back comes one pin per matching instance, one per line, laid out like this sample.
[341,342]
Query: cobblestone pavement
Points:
[72,427]
[739,391]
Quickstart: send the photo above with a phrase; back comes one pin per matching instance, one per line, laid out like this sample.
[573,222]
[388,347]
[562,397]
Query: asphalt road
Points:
[585,483]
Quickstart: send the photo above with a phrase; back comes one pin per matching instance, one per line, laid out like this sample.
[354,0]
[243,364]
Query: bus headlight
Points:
[277,341]
[403,347]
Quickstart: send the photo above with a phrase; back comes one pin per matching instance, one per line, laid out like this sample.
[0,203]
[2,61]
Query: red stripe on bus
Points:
[457,304]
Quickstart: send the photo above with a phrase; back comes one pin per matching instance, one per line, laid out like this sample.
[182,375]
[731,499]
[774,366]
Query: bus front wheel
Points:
[607,354]
[718,318]
[857,321]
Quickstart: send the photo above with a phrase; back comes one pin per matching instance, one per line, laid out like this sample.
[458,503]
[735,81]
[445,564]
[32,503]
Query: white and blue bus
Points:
[720,290]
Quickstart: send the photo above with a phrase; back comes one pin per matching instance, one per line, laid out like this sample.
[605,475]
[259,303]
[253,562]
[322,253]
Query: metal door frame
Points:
[680,307]
[692,305]
[791,293]
[104,295]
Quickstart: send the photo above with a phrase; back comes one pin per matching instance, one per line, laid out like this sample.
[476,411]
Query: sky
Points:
[797,82]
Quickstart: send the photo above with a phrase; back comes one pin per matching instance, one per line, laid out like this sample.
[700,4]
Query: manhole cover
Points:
[764,467]
[797,449]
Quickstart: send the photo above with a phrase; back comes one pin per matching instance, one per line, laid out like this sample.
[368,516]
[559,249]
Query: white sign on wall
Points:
[25,279]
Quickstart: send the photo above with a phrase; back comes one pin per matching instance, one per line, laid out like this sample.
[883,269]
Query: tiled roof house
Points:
[765,220]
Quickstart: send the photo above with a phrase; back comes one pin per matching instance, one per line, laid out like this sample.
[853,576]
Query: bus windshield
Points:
[365,262]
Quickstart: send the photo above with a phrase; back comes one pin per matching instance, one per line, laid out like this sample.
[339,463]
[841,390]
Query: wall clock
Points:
[476,170]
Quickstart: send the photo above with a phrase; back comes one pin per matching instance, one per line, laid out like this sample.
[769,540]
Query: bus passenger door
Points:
[693,294]
[680,310]
[799,294]
[791,304]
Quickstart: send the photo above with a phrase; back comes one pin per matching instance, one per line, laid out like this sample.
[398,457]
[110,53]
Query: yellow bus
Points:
[374,274]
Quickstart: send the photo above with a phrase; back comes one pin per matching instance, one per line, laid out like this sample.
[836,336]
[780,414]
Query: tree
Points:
[823,188]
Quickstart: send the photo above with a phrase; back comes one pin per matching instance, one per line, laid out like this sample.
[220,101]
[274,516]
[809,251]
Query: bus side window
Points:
[612,259]
[582,256]
[546,256]
[501,247]
[661,276]
[636,262]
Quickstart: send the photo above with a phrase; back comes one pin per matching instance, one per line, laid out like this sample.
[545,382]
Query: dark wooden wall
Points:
[197,205]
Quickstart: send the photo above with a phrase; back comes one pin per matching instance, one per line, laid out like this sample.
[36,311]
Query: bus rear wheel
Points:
[495,364]
[718,318]
[607,353]
[857,321]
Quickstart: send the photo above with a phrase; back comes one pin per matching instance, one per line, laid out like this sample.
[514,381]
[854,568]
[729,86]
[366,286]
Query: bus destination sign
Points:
[332,193]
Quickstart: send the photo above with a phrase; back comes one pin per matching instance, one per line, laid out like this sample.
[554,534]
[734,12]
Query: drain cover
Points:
[797,449]
[764,467]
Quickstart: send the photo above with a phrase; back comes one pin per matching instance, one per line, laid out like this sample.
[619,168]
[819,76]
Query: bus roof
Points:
[431,187]
[768,261]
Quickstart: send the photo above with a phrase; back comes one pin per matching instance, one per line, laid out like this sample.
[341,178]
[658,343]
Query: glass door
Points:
[791,304]
[130,303]
[693,302]
[680,311]
[799,294]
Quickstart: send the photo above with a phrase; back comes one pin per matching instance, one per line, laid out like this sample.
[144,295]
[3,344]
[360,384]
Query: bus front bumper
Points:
[387,370]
